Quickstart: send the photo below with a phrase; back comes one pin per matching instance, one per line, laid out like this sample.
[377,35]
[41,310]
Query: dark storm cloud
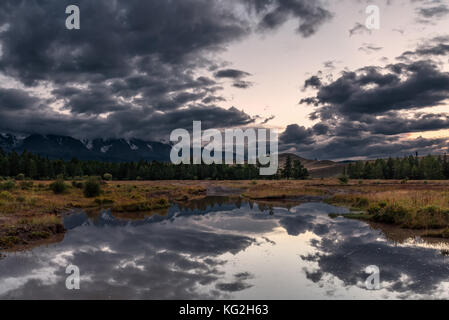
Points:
[320,129]
[438,50]
[369,48]
[13,99]
[313,81]
[139,123]
[438,46]
[295,134]
[231,73]
[373,90]
[242,84]
[212,99]
[95,99]
[266,120]
[274,13]
[437,9]
[359,28]
[372,147]
[233,286]
[237,76]
[135,61]
[369,111]
[114,38]
[394,123]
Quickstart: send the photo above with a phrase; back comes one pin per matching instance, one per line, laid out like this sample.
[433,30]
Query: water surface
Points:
[218,248]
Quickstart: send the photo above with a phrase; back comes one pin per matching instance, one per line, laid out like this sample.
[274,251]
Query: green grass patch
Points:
[148,205]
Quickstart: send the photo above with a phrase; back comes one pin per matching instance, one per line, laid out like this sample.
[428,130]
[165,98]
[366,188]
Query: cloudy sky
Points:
[311,69]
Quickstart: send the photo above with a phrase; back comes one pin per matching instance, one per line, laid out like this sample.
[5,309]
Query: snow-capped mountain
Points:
[63,147]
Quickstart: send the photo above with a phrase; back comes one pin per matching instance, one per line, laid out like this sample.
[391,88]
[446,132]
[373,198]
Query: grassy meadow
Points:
[30,211]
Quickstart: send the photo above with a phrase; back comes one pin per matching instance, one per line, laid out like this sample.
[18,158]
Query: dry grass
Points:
[416,204]
[32,213]
[40,200]
[280,190]
[411,208]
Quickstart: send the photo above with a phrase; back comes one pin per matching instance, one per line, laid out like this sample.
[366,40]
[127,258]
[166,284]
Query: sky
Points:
[333,88]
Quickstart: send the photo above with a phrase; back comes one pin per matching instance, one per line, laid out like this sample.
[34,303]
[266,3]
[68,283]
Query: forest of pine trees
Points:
[39,168]
[412,167]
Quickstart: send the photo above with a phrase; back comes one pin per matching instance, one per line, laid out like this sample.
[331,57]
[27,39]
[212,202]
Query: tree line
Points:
[411,167]
[36,167]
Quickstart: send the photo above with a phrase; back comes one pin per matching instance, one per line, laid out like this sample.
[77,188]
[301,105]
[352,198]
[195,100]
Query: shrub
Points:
[104,201]
[8,185]
[58,187]
[92,188]
[373,210]
[78,185]
[383,204]
[361,203]
[162,202]
[32,201]
[21,199]
[20,177]
[26,185]
[431,217]
[391,214]
[107,176]
[344,179]
[5,195]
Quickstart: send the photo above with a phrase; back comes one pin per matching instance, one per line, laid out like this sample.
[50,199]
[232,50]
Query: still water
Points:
[223,249]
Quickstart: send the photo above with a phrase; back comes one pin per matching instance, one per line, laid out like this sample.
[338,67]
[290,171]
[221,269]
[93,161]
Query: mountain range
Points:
[63,147]
[126,150]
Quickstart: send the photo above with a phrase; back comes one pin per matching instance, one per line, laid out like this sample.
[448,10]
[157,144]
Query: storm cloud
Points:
[135,68]
[370,111]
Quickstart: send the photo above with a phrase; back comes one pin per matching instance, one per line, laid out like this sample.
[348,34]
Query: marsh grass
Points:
[413,205]
[407,208]
[146,205]
[32,213]
[280,190]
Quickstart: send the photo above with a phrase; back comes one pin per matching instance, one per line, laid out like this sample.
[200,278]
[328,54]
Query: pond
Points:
[224,249]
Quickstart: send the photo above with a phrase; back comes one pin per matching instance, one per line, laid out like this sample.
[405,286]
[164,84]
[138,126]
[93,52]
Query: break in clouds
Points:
[144,68]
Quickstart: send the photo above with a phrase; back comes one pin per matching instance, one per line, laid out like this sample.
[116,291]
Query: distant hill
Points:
[317,168]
